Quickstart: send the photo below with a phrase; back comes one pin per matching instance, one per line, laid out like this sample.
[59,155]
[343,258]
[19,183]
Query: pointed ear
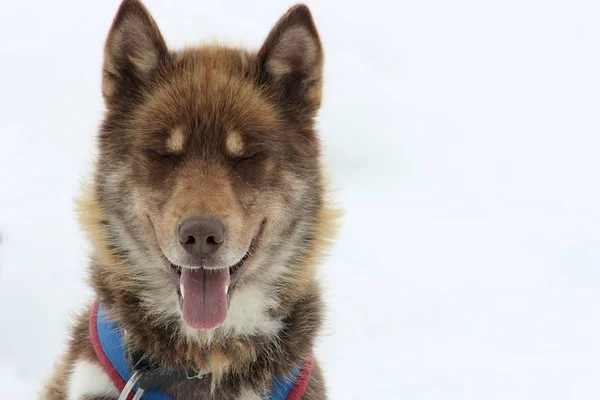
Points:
[292,59]
[134,49]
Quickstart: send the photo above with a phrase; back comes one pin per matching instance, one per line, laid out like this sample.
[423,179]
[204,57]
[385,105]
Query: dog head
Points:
[209,168]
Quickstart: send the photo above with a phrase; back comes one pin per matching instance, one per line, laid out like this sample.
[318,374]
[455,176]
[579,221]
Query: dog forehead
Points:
[207,100]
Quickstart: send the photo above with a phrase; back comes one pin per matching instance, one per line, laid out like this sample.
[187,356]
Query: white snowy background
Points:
[463,138]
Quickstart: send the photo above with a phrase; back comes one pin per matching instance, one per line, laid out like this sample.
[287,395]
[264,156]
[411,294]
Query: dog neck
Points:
[225,351]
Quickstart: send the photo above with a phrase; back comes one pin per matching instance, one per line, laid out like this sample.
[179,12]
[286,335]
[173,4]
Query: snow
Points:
[463,139]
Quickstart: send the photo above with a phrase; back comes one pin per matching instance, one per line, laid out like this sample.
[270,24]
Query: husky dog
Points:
[207,213]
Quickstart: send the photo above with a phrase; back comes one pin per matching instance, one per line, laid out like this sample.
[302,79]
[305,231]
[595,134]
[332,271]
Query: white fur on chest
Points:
[88,378]
[247,394]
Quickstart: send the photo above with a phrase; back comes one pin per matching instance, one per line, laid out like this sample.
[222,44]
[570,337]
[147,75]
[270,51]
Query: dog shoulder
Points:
[248,394]
[79,375]
[88,380]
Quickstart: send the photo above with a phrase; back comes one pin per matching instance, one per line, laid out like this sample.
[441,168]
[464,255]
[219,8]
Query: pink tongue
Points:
[204,300]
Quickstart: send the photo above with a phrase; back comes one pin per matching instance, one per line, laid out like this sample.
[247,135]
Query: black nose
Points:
[200,237]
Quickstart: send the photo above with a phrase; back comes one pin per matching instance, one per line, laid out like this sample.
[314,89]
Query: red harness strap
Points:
[114,375]
[302,381]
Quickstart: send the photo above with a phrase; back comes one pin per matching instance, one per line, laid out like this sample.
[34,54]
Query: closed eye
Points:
[157,154]
[236,160]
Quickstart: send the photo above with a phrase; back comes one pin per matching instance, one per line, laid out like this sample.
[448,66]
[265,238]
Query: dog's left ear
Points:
[291,59]
[134,50]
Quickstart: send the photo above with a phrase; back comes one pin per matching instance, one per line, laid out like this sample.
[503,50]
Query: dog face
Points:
[209,164]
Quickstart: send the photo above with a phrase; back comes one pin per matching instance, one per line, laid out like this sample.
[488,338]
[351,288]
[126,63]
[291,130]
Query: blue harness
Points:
[107,340]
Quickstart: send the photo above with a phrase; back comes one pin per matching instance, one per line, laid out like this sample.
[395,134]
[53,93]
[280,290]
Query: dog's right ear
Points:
[291,60]
[134,50]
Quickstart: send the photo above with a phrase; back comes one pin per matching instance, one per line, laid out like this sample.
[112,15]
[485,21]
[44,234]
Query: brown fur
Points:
[148,180]
[79,348]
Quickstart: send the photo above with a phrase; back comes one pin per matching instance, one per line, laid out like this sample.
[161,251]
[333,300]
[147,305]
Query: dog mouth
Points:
[205,293]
